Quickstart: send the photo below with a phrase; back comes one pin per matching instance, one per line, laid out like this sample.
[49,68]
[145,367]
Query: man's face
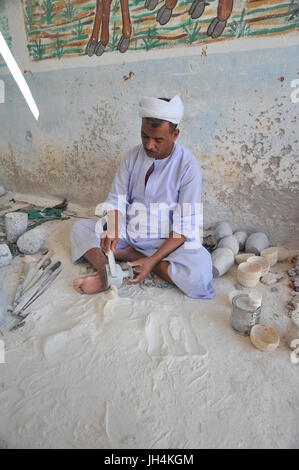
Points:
[158,142]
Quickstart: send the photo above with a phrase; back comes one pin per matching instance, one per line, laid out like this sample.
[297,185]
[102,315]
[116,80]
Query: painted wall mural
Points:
[69,28]
[4,29]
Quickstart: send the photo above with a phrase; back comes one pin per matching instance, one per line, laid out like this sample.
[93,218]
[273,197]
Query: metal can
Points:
[244,314]
[293,329]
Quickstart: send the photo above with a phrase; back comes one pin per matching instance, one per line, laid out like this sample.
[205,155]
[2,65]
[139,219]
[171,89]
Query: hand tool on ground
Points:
[35,269]
[27,270]
[45,286]
[38,273]
[35,289]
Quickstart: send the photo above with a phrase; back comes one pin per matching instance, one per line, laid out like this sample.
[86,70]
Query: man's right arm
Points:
[110,238]
[116,204]
[117,197]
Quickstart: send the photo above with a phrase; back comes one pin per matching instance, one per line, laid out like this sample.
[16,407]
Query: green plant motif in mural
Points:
[135,34]
[5,31]
[149,39]
[115,8]
[58,47]
[37,49]
[114,38]
[293,11]
[29,14]
[69,10]
[240,28]
[78,31]
[47,7]
[192,29]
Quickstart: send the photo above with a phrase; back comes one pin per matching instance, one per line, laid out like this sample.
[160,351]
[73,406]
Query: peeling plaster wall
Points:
[240,123]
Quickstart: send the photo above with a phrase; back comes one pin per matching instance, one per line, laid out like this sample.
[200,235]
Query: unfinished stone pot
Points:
[264,338]
[5,255]
[263,262]
[222,260]
[271,254]
[229,242]
[243,257]
[248,274]
[15,225]
[256,242]
[223,230]
[241,236]
[283,253]
[293,329]
[32,241]
[3,305]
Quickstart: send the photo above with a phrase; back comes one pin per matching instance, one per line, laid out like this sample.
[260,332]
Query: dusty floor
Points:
[144,368]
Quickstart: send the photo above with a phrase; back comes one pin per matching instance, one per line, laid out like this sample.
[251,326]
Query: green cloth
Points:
[48,213]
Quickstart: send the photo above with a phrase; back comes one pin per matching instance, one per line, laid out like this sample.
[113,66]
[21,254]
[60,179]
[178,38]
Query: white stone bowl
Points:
[271,254]
[243,257]
[15,225]
[283,253]
[248,274]
[222,260]
[241,236]
[229,242]
[32,241]
[264,338]
[256,242]
[223,230]
[263,262]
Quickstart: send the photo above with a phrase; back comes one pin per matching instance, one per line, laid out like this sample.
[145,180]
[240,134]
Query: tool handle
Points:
[38,274]
[44,287]
[112,264]
[19,289]
[49,254]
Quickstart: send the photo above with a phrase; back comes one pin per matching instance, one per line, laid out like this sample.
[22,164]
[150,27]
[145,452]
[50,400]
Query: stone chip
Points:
[5,255]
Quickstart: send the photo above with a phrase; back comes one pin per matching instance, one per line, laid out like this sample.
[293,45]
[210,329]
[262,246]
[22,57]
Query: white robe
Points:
[176,180]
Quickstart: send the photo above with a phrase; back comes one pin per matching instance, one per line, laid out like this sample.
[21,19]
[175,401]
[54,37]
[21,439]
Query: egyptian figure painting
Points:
[69,28]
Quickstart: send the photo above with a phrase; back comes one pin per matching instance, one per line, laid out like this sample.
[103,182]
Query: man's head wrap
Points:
[171,111]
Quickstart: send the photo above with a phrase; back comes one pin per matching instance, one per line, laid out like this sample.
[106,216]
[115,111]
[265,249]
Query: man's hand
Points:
[110,238]
[146,264]
[108,243]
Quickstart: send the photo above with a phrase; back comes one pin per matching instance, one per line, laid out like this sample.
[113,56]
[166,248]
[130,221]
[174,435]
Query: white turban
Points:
[171,111]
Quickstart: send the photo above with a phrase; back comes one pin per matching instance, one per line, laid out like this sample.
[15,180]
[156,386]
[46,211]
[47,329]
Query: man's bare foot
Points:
[90,284]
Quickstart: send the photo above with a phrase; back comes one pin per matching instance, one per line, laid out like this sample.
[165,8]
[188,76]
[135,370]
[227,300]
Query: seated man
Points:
[158,172]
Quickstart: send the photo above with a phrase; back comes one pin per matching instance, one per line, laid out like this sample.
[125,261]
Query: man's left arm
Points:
[147,264]
[185,214]
[174,241]
[184,219]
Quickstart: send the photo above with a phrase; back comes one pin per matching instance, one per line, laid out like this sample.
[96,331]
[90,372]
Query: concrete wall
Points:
[240,123]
